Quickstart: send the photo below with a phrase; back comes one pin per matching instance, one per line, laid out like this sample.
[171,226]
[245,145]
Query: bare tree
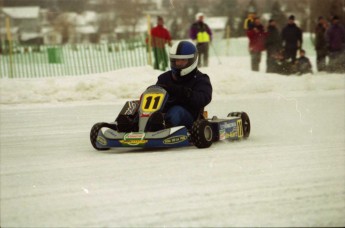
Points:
[129,12]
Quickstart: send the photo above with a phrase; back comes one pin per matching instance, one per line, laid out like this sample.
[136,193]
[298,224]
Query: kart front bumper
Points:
[171,137]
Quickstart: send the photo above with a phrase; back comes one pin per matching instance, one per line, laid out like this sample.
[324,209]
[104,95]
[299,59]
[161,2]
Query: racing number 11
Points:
[152,102]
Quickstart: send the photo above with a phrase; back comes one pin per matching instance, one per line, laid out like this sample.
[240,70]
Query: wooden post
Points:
[9,38]
[227,39]
[149,40]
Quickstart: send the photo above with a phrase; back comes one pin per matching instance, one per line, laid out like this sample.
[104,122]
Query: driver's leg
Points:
[179,116]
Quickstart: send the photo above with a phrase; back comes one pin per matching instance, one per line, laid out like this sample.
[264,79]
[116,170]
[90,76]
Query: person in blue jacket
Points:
[335,36]
[189,89]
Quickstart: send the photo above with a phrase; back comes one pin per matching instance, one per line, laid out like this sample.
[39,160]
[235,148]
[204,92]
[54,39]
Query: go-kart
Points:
[133,127]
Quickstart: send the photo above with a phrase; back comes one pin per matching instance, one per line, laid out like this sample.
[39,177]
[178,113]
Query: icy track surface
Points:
[290,172]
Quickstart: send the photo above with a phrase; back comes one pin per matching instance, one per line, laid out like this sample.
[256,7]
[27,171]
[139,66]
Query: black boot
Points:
[156,122]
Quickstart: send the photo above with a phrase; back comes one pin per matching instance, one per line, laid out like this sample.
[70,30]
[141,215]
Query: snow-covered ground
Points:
[290,172]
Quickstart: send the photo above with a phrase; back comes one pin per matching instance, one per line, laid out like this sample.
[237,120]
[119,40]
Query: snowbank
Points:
[231,76]
[229,72]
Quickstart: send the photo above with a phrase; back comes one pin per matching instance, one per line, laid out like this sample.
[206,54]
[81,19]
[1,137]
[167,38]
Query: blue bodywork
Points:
[179,138]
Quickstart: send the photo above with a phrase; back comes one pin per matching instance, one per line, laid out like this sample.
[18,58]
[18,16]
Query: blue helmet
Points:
[183,50]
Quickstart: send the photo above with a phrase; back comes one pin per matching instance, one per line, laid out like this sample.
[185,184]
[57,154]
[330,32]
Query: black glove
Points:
[178,91]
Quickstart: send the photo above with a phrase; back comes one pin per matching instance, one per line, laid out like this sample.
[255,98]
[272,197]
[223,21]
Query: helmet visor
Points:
[180,63]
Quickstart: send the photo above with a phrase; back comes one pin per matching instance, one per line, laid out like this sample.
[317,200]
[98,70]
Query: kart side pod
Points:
[206,131]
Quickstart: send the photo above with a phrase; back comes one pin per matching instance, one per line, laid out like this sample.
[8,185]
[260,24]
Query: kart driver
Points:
[189,90]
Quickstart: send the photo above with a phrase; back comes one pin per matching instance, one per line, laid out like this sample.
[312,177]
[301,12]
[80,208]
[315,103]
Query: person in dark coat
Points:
[292,39]
[335,36]
[321,44]
[303,64]
[189,90]
[281,65]
[257,37]
[272,44]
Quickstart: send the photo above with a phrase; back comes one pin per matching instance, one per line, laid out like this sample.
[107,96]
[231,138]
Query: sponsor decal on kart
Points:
[145,115]
[228,125]
[132,106]
[101,140]
[231,134]
[134,135]
[239,128]
[134,139]
[175,139]
[222,134]
[236,131]
[133,142]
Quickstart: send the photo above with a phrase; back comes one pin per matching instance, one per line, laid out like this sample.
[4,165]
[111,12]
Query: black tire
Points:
[202,134]
[94,134]
[245,122]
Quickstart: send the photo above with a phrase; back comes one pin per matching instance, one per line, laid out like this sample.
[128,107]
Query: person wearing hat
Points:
[321,43]
[291,39]
[159,37]
[249,21]
[201,34]
[336,42]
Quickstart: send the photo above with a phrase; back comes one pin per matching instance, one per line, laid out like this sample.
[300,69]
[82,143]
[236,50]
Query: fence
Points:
[71,59]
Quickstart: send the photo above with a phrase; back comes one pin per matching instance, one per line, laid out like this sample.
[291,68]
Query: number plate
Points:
[152,102]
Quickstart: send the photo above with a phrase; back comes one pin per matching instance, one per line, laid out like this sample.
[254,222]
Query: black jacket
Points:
[320,37]
[291,35]
[193,92]
[273,40]
[303,65]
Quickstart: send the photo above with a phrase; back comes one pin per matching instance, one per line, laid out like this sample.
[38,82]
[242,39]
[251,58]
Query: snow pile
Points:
[231,76]
[229,72]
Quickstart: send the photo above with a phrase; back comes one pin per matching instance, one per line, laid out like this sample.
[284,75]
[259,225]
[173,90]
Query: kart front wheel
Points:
[94,134]
[202,134]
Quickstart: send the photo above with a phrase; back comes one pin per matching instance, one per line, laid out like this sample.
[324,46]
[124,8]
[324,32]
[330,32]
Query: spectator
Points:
[292,39]
[160,36]
[321,44]
[201,34]
[335,36]
[256,37]
[303,64]
[281,65]
[249,21]
[272,44]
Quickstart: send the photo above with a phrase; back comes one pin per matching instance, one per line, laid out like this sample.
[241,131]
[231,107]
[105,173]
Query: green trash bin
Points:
[54,55]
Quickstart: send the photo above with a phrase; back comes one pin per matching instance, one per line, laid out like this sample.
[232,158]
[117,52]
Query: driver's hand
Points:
[178,91]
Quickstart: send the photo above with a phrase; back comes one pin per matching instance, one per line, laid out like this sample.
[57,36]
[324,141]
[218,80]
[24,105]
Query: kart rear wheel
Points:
[202,134]
[245,122]
[94,134]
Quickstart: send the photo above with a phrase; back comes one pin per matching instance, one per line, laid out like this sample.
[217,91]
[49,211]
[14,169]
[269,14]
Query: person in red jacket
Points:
[159,37]
[257,37]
